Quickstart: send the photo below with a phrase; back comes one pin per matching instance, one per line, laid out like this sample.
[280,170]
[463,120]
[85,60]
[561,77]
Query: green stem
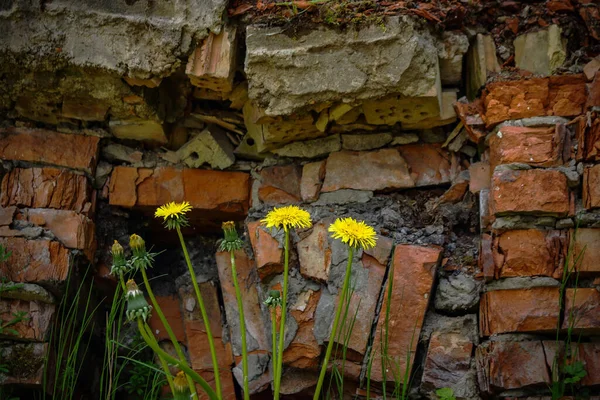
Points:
[181,365]
[211,343]
[165,323]
[238,296]
[163,363]
[336,320]
[274,340]
[286,268]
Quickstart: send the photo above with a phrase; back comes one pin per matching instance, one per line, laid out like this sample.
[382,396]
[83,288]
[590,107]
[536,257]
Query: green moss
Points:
[22,362]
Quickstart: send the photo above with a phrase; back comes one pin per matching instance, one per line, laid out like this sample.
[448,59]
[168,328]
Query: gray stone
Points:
[466,325]
[565,223]
[311,148]
[521,282]
[432,136]
[457,293]
[344,196]
[119,36]
[405,138]
[481,63]
[103,171]
[451,50]
[257,365]
[115,152]
[359,142]
[26,291]
[287,73]
[530,122]
[571,174]
[211,146]
[523,222]
[541,52]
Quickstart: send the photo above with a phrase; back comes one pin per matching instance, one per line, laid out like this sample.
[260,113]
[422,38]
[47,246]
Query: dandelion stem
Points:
[211,343]
[165,323]
[274,341]
[283,314]
[336,320]
[183,366]
[238,297]
[163,363]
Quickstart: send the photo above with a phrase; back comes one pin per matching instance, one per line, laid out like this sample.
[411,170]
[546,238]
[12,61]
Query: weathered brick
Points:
[304,350]
[314,253]
[280,185]
[582,310]
[561,96]
[171,308]
[312,180]
[588,139]
[212,64]
[255,325]
[511,365]
[429,164]
[448,361]
[540,147]
[591,187]
[48,147]
[585,252]
[414,272]
[195,330]
[39,261]
[73,230]
[535,191]
[528,252]
[268,254]
[480,175]
[217,194]
[503,311]
[39,316]
[46,188]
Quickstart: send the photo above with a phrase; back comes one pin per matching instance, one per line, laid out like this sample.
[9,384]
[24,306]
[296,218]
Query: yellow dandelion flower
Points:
[354,233]
[287,217]
[180,383]
[173,214]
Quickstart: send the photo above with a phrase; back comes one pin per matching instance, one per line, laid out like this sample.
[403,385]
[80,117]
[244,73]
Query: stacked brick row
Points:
[538,217]
[46,224]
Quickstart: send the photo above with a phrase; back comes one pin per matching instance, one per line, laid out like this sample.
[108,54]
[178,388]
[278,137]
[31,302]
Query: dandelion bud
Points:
[119,265]
[137,306]
[231,242]
[274,299]
[180,386]
[137,244]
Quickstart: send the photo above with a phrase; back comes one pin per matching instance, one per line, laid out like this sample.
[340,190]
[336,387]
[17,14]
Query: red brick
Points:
[519,310]
[593,92]
[195,330]
[216,194]
[585,250]
[280,185]
[528,252]
[312,180]
[48,147]
[227,385]
[375,170]
[304,350]
[541,147]
[561,96]
[73,230]
[448,361]
[429,164]
[480,176]
[255,325]
[535,191]
[511,365]
[46,188]
[591,187]
[588,139]
[39,318]
[582,310]
[314,253]
[7,214]
[170,307]
[414,272]
[381,251]
[40,261]
[589,353]
[268,254]
[486,260]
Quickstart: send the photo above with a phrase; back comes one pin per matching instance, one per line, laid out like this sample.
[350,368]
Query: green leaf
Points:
[445,394]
